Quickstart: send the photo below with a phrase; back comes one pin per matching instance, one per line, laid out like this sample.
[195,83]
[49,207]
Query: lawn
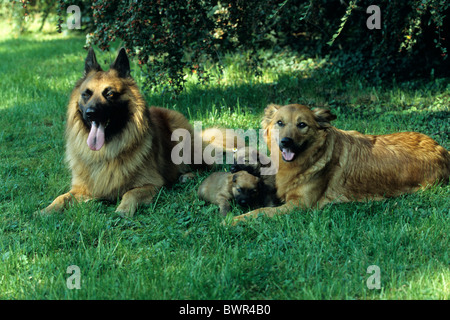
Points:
[177,248]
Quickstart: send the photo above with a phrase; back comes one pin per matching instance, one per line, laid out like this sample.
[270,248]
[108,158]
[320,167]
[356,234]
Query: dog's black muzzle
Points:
[95,114]
[287,143]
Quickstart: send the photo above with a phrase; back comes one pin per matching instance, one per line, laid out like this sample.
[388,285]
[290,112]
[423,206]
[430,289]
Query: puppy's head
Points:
[245,188]
[294,128]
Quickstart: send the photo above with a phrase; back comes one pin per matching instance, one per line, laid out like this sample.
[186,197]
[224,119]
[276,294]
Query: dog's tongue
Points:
[288,155]
[96,137]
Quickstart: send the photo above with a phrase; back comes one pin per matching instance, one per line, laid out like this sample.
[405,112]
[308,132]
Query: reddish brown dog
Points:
[319,163]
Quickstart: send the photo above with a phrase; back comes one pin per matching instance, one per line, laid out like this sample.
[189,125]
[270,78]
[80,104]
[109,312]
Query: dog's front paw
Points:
[126,209]
[186,177]
[243,217]
[56,206]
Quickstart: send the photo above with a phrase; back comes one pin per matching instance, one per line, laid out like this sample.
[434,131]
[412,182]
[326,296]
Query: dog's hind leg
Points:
[134,197]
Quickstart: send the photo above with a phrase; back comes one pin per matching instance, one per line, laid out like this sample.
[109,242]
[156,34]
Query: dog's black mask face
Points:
[104,109]
[103,102]
[245,189]
[246,197]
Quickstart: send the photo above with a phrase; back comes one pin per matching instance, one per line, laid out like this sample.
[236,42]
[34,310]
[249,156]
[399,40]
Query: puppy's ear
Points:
[234,177]
[91,63]
[269,111]
[323,117]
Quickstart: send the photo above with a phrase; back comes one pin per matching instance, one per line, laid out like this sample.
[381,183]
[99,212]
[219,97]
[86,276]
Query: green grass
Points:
[177,248]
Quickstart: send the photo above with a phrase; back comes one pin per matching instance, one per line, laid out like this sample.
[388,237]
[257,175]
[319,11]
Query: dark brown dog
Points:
[221,187]
[319,164]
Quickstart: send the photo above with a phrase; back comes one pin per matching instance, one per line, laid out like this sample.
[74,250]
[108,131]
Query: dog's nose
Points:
[91,114]
[242,202]
[286,142]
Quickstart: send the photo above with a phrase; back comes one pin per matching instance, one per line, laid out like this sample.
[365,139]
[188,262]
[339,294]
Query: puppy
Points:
[221,187]
[252,161]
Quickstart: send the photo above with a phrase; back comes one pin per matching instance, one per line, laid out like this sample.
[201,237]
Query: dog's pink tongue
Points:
[288,155]
[96,138]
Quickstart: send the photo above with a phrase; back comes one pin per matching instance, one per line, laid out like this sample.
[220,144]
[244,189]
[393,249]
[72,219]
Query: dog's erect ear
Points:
[323,117]
[269,111]
[91,64]
[122,64]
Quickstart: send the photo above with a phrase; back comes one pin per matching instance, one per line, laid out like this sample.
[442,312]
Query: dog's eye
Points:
[302,125]
[280,123]
[109,94]
[86,95]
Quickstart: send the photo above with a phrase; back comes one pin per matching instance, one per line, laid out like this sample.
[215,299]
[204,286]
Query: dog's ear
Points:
[91,64]
[269,111]
[323,117]
[122,64]
[234,177]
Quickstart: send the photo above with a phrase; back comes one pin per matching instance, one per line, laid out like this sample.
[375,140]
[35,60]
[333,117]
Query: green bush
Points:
[410,43]
[170,38]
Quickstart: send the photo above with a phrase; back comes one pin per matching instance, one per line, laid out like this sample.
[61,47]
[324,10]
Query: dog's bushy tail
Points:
[225,139]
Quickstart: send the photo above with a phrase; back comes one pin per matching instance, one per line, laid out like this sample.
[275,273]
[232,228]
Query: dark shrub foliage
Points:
[171,37]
